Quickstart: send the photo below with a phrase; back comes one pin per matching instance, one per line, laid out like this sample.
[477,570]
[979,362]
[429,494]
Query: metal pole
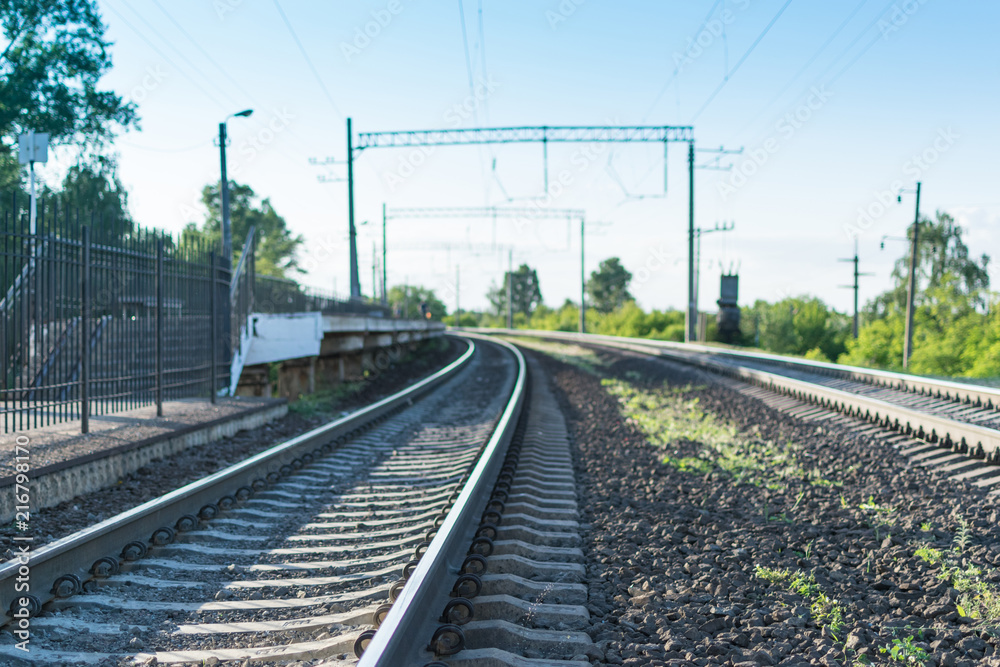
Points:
[353,232]
[374,273]
[458,303]
[159,328]
[697,274]
[227,231]
[912,286]
[510,289]
[856,286]
[545,157]
[583,283]
[212,327]
[385,283]
[689,333]
[85,334]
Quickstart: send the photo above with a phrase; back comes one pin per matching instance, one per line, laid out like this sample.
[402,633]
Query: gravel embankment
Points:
[162,476]
[808,560]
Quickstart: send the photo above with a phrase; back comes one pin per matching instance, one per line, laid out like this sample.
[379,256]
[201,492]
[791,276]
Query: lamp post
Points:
[227,232]
[911,286]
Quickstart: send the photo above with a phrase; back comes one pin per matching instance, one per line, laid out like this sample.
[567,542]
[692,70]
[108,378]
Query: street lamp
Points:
[911,288]
[227,233]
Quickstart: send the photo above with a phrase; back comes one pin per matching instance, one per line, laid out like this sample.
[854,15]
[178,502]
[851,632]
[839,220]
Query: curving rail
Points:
[957,432]
[404,636]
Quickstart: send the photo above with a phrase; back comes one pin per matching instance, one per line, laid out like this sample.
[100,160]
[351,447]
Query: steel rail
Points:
[59,569]
[961,436]
[988,397]
[403,637]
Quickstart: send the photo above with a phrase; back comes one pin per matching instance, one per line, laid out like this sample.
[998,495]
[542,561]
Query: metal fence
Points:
[98,315]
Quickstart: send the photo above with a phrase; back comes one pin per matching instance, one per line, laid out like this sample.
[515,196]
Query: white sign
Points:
[33,147]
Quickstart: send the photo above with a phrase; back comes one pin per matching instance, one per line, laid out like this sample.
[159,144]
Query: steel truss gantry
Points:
[543,134]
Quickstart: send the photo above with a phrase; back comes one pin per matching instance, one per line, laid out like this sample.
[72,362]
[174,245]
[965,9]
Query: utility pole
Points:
[227,235]
[692,312]
[855,286]
[458,303]
[911,289]
[384,282]
[510,289]
[353,232]
[374,270]
[583,282]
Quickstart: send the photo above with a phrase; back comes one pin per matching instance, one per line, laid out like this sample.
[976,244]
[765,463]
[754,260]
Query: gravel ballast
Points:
[811,561]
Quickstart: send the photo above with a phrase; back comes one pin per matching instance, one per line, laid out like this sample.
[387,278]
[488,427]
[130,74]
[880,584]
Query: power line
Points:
[808,64]
[164,56]
[180,53]
[677,68]
[305,55]
[203,52]
[472,86]
[742,59]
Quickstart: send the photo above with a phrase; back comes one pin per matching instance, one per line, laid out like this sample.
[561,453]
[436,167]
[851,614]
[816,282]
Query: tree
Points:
[93,188]
[405,300]
[941,252]
[800,326]
[608,286]
[49,69]
[525,291]
[276,246]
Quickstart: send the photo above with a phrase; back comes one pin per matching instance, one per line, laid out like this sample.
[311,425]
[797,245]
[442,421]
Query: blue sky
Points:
[831,105]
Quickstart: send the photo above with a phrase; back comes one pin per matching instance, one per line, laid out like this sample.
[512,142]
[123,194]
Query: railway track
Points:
[439,526]
[940,422]
[415,514]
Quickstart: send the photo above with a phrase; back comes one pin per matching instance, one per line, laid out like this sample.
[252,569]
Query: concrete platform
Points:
[63,463]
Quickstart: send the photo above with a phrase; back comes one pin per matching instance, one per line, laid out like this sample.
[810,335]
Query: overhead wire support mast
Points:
[855,286]
[534,134]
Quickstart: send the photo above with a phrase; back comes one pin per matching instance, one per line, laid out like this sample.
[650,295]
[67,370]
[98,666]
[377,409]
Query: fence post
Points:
[85,334]
[159,328]
[213,326]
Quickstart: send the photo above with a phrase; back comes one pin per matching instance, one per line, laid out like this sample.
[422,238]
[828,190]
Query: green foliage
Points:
[941,252]
[929,555]
[772,575]
[406,299]
[54,56]
[608,286]
[93,188]
[905,651]
[526,293]
[276,246]
[798,326]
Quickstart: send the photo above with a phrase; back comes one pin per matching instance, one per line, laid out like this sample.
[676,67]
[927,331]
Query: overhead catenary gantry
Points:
[543,134]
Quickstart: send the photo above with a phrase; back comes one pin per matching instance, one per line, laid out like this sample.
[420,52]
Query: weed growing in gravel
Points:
[690,464]
[324,401]
[772,575]
[668,416]
[826,611]
[962,536]
[926,527]
[978,599]
[903,650]
[929,555]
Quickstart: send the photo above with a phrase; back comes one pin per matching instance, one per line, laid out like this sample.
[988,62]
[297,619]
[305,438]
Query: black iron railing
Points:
[99,315]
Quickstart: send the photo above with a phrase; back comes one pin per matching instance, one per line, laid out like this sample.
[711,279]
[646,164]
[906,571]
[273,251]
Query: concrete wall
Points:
[317,350]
